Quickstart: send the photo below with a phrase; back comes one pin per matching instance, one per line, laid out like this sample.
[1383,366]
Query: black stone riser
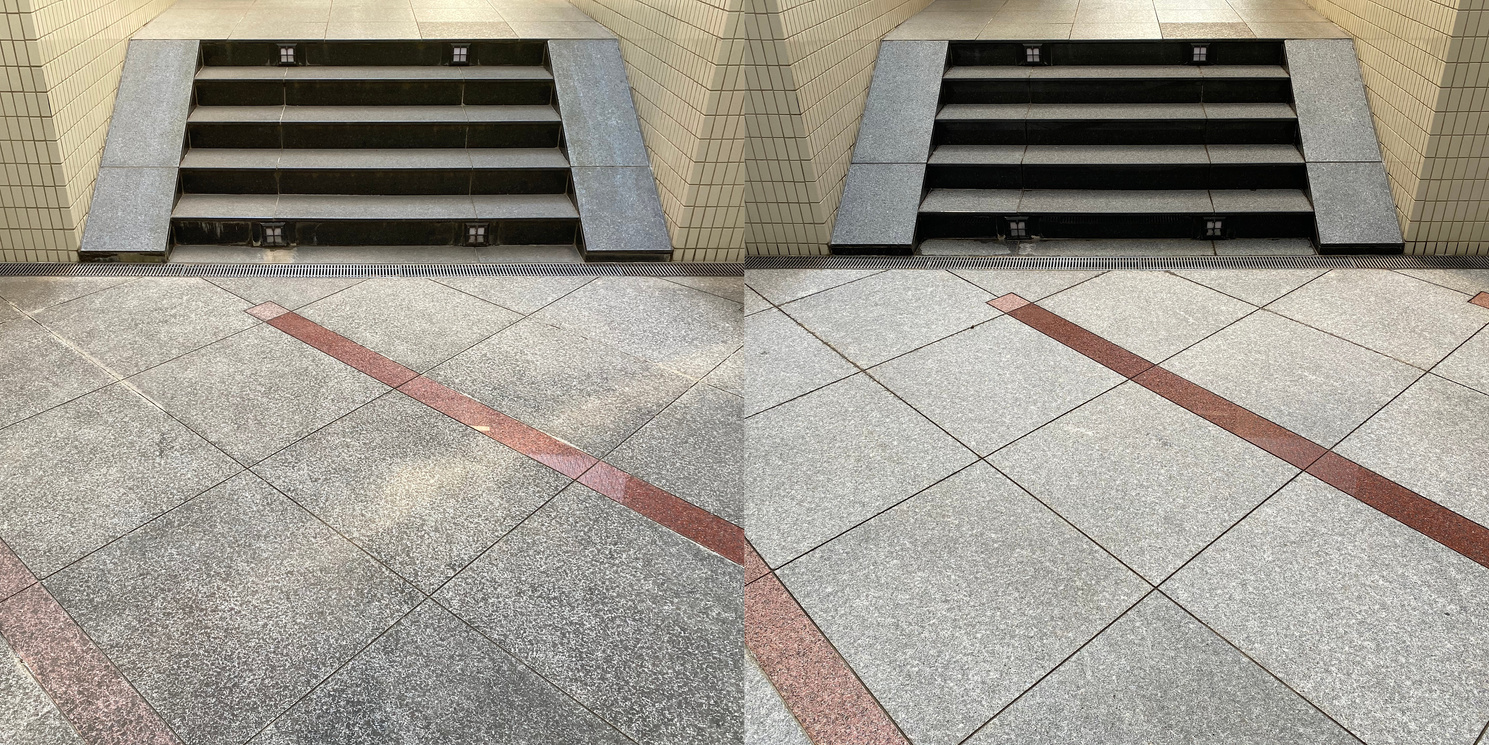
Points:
[1116,52]
[390,53]
[1199,176]
[1116,132]
[371,182]
[1097,226]
[401,135]
[1117,90]
[374,232]
[374,92]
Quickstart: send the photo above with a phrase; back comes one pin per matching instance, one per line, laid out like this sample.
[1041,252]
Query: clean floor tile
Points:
[523,295]
[1152,314]
[1255,286]
[784,361]
[784,285]
[694,450]
[40,371]
[31,294]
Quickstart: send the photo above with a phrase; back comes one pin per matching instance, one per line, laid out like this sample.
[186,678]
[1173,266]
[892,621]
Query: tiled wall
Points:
[1424,69]
[61,62]
[684,59]
[812,60]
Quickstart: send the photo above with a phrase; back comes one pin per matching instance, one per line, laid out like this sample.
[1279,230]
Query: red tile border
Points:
[267,311]
[344,349]
[1008,303]
[1481,299]
[815,682]
[14,576]
[1404,505]
[1115,358]
[550,451]
[679,515]
[89,691]
[755,567]
[1275,439]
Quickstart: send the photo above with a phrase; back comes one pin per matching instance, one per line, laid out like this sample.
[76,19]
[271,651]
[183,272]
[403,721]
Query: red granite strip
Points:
[1116,358]
[14,576]
[342,348]
[815,682]
[1481,299]
[89,691]
[1008,303]
[681,516]
[550,451]
[1275,439]
[267,311]
[755,567]
[1404,505]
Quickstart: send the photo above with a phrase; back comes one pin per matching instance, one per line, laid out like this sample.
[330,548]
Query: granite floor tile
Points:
[93,469]
[767,720]
[290,292]
[1317,385]
[1255,286]
[40,372]
[829,460]
[784,285]
[256,392]
[417,322]
[729,375]
[639,624]
[1469,364]
[1470,281]
[1031,286]
[519,294]
[227,610]
[1384,629]
[677,327]
[692,449]
[1152,314]
[754,302]
[784,361]
[889,314]
[729,288]
[9,313]
[1158,675]
[1148,480]
[422,492]
[994,383]
[1434,440]
[1414,321]
[27,714]
[432,678]
[591,394]
[143,323]
[952,604]
[31,294]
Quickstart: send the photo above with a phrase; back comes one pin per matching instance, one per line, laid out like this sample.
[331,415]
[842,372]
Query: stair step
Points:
[1094,202]
[375,207]
[380,85]
[1063,72]
[1120,111]
[375,171]
[373,158]
[370,114]
[321,127]
[1005,155]
[376,72]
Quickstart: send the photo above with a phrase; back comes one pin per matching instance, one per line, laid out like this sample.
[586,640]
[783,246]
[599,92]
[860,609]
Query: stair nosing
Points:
[1131,111]
[375,73]
[380,207]
[1026,201]
[460,113]
[1272,155]
[264,159]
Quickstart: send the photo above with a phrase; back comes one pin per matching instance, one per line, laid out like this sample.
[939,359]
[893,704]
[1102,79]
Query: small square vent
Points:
[287,54]
[460,54]
[273,233]
[1032,54]
[475,234]
[1018,228]
[1201,54]
[1214,227]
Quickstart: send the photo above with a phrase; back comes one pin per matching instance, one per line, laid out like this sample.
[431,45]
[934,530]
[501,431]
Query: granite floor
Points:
[278,20]
[1046,20]
[471,510]
[1228,506]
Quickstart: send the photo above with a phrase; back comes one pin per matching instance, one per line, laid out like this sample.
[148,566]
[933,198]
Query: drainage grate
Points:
[1147,263]
[354,271]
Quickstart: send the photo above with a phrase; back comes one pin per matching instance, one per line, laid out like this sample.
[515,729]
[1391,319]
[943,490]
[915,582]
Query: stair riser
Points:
[352,53]
[375,233]
[400,181]
[494,135]
[1120,90]
[1116,53]
[374,93]
[1116,132]
[1116,177]
[990,227]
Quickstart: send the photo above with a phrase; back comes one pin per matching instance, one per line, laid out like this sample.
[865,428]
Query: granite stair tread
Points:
[374,158]
[1131,202]
[378,73]
[1056,72]
[1113,111]
[1115,154]
[458,114]
[375,207]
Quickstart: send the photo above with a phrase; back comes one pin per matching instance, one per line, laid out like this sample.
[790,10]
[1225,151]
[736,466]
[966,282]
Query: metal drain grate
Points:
[1141,263]
[355,271]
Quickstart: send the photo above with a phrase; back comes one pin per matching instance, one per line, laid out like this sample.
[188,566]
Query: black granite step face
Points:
[373,86]
[1121,167]
[1115,124]
[378,53]
[1055,53]
[373,127]
[375,171]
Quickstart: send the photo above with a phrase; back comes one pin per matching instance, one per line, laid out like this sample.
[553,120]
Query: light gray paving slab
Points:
[130,211]
[289,292]
[599,117]
[1114,202]
[586,392]
[1469,364]
[31,294]
[1031,286]
[256,392]
[40,372]
[994,383]
[638,623]
[1265,247]
[831,459]
[8,313]
[971,200]
[1434,440]
[880,201]
[523,295]
[1471,281]
[1382,628]
[729,375]
[1414,321]
[1158,675]
[27,714]
[754,302]
[227,610]
[432,678]
[148,125]
[729,288]
[677,327]
[1152,314]
[1352,207]
[417,322]
[901,107]
[1260,200]
[143,323]
[93,469]
[620,211]
[692,449]
[1317,385]
[1329,95]
[889,314]
[1255,286]
[784,285]
[952,604]
[767,720]
[418,490]
[1148,480]
[785,361]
